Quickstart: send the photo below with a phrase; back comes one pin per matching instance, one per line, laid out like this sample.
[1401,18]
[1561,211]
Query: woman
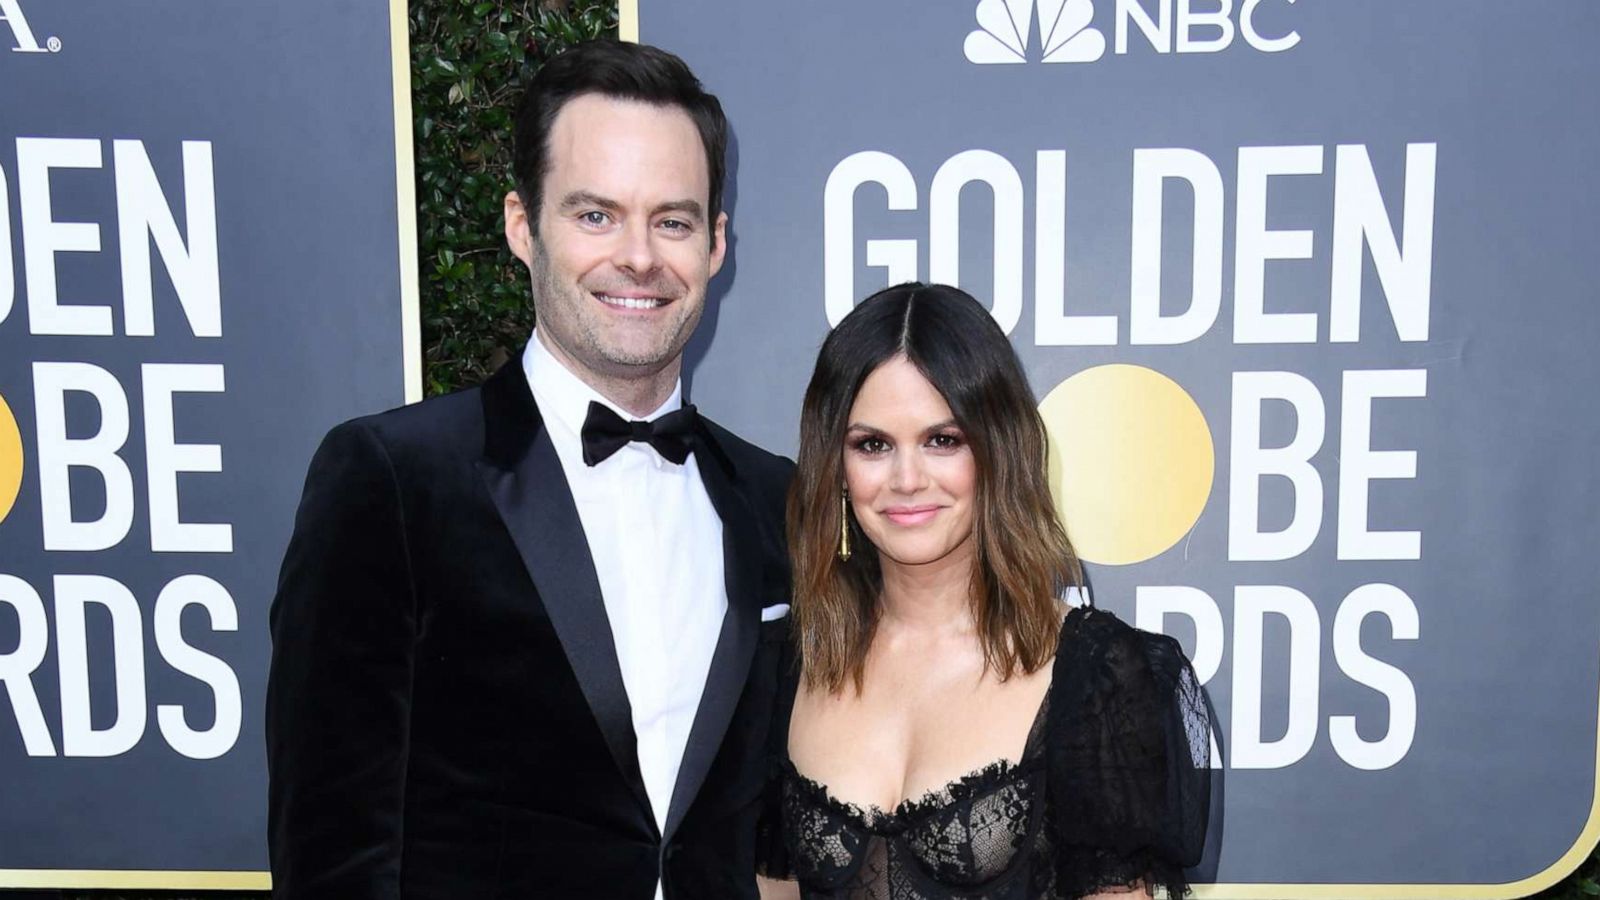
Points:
[951,730]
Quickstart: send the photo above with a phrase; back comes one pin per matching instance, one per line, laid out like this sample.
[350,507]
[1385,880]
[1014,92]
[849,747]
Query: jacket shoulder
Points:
[765,468]
[445,423]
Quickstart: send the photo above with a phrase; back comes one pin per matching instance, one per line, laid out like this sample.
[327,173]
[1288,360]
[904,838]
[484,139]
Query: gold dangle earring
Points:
[844,524]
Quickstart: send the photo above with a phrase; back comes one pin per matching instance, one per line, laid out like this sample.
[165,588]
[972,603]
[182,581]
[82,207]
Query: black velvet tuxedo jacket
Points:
[446,717]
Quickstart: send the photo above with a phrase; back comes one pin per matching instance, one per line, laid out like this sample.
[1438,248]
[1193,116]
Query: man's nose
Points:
[635,250]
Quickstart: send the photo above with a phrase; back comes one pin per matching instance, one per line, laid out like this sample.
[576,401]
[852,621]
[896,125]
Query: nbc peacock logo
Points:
[1065,35]
[1005,32]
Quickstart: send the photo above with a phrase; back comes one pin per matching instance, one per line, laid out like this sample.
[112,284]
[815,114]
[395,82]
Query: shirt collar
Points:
[565,398]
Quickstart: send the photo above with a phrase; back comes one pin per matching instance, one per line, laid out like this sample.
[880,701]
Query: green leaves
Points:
[468,62]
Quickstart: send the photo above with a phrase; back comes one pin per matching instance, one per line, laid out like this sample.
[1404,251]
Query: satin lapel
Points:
[530,490]
[730,663]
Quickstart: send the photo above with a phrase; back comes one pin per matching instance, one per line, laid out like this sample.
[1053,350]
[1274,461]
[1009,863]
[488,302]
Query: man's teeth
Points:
[631,302]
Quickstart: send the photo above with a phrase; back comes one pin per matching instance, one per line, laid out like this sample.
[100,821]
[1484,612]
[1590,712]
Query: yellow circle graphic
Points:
[10,459]
[1131,461]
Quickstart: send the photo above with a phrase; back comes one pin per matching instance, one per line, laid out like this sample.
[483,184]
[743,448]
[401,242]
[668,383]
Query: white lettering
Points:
[1159,36]
[898,257]
[1393,603]
[43,237]
[1360,219]
[1251,604]
[1052,327]
[1189,19]
[143,213]
[1250,462]
[58,454]
[182,592]
[165,458]
[1359,464]
[18,666]
[8,275]
[944,238]
[79,737]
[1254,244]
[11,14]
[1247,27]
[1151,169]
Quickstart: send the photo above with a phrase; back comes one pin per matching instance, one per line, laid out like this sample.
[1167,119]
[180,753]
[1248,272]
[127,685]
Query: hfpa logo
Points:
[1066,35]
[21,35]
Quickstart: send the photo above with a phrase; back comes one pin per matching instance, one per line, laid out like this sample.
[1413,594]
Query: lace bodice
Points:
[1112,789]
[982,835]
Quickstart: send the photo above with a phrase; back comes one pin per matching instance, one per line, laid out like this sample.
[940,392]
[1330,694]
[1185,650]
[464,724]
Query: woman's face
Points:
[909,470]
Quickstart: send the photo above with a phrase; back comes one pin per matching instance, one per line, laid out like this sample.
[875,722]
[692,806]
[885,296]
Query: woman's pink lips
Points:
[910,515]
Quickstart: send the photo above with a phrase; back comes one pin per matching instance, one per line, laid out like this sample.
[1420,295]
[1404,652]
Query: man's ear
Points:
[519,230]
[719,242]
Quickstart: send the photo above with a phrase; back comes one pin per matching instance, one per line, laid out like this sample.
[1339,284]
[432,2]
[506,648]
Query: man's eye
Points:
[676,225]
[594,217]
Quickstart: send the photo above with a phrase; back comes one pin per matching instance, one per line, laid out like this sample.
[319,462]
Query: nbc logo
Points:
[1167,26]
[22,35]
[1003,27]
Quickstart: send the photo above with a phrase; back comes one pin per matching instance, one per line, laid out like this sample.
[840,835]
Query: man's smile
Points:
[631,302]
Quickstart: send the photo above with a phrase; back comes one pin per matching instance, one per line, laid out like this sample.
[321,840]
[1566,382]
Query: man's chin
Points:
[639,362]
[654,349]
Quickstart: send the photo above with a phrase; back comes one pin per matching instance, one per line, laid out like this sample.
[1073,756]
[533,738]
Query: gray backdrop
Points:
[296,104]
[1498,780]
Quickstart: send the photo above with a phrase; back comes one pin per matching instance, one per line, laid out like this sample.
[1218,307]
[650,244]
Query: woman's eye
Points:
[945,441]
[872,445]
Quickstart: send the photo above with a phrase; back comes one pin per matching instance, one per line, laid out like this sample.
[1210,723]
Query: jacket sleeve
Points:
[1129,759]
[773,857]
[339,691]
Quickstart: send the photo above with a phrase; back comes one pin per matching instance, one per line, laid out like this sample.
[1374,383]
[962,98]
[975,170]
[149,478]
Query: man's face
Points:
[623,248]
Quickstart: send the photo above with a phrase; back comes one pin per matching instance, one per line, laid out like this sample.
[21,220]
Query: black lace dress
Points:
[1112,789]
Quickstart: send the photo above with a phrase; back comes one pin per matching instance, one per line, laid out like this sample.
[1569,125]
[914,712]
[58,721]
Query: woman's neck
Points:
[932,596]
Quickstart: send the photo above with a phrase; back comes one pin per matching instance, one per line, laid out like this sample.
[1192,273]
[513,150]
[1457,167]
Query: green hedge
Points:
[467,59]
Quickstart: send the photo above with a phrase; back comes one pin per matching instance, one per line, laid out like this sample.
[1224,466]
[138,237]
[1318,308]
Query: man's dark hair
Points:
[623,71]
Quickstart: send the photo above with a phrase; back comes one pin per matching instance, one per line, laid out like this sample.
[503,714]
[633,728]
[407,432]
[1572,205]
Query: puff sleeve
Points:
[1128,759]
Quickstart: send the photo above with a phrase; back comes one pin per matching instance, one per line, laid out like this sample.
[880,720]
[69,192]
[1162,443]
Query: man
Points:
[518,641]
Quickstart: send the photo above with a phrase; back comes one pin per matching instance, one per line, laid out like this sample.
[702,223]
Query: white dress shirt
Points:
[656,542]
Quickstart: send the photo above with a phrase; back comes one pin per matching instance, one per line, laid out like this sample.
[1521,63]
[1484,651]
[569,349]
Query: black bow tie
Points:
[605,432]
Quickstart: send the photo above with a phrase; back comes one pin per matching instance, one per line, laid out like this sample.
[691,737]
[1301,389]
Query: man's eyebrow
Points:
[585,198]
[690,208]
[582,199]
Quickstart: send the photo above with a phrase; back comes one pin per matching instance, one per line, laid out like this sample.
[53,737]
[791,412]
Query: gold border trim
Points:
[628,20]
[628,30]
[406,200]
[1563,866]
[135,879]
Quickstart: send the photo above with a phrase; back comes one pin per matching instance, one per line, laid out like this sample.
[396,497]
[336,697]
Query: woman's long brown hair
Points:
[1024,561]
